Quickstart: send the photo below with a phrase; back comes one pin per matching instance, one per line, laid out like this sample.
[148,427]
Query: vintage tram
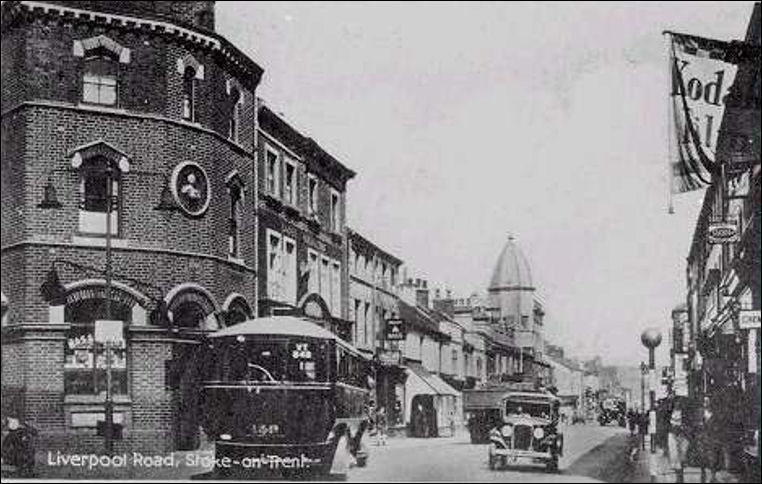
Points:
[282,395]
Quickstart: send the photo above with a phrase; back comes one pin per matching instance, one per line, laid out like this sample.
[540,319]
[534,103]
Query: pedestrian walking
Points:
[710,443]
[677,438]
[642,428]
[382,426]
[632,421]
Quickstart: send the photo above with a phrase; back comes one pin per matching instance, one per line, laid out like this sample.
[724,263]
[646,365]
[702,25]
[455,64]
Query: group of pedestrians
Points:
[704,433]
[379,423]
[694,436]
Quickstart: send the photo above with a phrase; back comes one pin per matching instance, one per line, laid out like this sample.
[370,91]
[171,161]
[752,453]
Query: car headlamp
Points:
[538,433]
[507,430]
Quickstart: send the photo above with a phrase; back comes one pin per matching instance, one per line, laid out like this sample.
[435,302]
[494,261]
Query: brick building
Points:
[148,96]
[302,243]
[374,300]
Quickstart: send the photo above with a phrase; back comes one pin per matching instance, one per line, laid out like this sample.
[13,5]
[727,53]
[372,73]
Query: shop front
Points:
[432,407]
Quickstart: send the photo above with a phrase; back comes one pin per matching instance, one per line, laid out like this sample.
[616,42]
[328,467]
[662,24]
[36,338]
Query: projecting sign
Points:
[394,330]
[749,319]
[722,232]
[389,357]
[109,331]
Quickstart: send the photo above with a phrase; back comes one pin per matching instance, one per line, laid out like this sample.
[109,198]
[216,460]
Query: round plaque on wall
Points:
[190,187]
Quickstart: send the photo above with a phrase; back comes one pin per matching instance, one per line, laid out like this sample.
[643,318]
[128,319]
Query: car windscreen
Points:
[528,408]
[274,360]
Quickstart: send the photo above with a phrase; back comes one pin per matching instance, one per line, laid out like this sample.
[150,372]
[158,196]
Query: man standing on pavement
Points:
[710,446]
[381,426]
[677,438]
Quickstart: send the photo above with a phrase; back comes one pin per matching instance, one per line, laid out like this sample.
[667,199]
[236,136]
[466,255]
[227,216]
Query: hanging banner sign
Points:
[701,79]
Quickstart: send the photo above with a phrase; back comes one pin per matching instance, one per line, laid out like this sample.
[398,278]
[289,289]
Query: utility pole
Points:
[109,410]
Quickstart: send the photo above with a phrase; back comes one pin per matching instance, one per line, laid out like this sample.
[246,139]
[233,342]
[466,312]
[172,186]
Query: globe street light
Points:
[651,338]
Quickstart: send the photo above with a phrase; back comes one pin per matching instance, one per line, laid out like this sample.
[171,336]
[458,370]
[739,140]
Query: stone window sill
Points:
[95,400]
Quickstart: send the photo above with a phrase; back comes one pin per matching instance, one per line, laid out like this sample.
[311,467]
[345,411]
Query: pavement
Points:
[664,471]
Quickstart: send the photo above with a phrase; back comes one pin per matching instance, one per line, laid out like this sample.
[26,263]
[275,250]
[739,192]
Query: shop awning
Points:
[426,383]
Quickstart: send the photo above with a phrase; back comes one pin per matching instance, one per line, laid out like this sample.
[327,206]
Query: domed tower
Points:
[511,296]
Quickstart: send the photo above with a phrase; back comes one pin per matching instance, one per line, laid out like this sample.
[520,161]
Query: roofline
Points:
[308,147]
[352,233]
[206,39]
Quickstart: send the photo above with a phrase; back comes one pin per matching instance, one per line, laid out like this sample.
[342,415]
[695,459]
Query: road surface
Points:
[591,454]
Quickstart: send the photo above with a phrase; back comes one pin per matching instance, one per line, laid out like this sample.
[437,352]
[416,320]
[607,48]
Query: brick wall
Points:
[12,171]
[161,270]
[41,65]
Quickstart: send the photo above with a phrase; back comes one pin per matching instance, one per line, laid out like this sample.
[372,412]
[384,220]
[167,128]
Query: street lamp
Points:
[50,201]
[651,338]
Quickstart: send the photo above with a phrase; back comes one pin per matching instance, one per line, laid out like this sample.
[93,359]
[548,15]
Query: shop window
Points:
[94,197]
[189,94]
[84,360]
[100,78]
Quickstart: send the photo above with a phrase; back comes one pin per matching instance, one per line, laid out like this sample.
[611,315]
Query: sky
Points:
[467,122]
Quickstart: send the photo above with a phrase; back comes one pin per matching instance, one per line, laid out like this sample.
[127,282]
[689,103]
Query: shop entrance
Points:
[423,417]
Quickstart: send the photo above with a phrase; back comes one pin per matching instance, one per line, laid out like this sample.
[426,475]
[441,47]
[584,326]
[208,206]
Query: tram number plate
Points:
[265,429]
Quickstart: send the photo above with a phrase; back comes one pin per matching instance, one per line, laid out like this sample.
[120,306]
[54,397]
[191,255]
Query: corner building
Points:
[149,96]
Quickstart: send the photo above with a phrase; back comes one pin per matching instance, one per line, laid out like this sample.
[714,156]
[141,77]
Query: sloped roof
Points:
[420,319]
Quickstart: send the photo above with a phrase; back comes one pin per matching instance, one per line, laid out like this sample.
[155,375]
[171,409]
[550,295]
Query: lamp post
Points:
[651,338]
[50,201]
[643,373]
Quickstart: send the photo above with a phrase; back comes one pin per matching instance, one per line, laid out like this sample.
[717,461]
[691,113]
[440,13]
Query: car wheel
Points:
[552,465]
[492,462]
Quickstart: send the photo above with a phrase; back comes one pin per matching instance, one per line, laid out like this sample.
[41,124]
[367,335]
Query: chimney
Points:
[422,294]
[422,297]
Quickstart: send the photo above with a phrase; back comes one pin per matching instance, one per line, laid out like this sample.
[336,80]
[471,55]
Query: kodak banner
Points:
[703,70]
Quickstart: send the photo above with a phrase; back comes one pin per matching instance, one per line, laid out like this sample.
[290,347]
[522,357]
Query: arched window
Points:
[95,194]
[238,311]
[191,308]
[189,94]
[84,360]
[100,78]
[235,113]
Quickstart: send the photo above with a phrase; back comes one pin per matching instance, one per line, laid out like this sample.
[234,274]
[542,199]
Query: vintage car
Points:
[528,431]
